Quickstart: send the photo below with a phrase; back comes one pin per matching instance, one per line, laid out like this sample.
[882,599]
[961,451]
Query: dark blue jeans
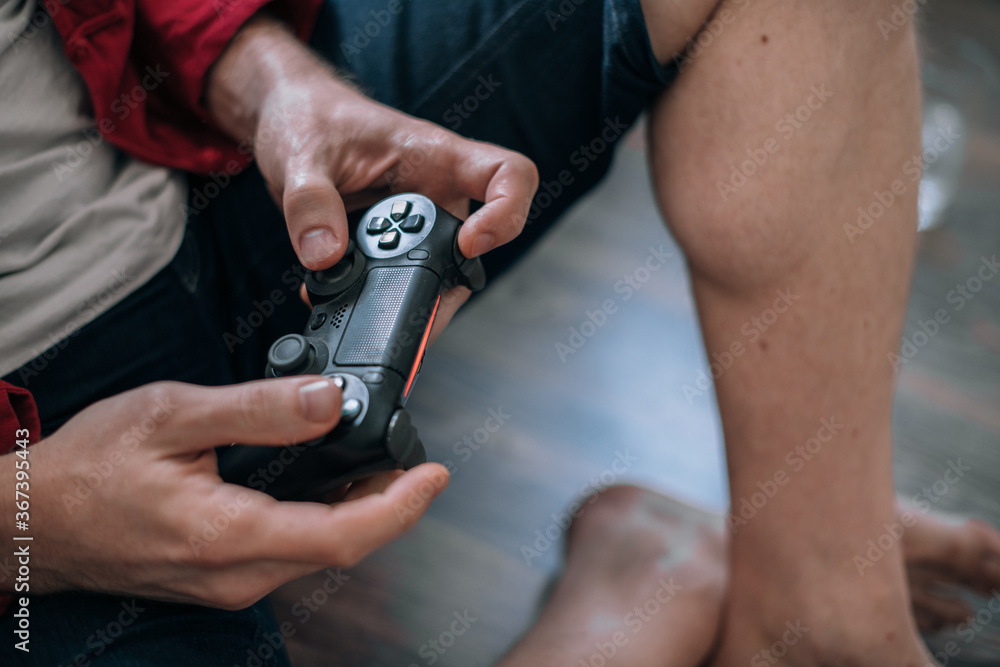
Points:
[558,80]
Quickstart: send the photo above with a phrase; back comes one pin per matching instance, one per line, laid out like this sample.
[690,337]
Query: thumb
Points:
[316,218]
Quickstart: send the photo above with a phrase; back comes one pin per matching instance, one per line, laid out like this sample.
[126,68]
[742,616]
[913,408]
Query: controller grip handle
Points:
[402,441]
[473,274]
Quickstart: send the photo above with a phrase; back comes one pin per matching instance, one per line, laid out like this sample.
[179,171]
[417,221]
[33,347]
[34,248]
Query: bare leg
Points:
[643,587]
[774,241]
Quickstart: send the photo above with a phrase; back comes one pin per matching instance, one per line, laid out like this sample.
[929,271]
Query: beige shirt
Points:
[82,225]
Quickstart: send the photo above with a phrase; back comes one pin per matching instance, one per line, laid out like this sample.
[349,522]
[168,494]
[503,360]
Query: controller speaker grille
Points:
[338,316]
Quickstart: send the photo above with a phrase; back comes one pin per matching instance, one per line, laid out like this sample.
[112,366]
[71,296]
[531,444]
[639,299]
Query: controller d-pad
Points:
[413,224]
[410,218]
[389,240]
[399,210]
[378,225]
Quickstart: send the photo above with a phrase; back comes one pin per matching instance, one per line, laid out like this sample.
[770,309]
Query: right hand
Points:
[324,148]
[126,497]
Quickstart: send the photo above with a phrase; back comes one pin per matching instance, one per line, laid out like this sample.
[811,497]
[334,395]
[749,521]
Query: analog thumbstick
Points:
[338,271]
[290,354]
[327,284]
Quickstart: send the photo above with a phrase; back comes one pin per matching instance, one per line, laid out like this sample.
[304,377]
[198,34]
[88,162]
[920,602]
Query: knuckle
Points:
[348,555]
[526,166]
[430,136]
[158,400]
[254,407]
[157,393]
[515,223]
[308,196]
[306,186]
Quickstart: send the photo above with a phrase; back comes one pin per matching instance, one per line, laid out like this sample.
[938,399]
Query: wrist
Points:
[263,63]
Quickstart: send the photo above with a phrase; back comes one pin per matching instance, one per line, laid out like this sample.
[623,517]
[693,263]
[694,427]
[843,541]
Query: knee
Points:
[757,164]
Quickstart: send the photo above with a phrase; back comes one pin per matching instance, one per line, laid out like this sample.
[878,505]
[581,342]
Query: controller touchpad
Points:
[384,330]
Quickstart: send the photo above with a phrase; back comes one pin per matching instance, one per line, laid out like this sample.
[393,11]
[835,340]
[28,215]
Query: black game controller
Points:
[372,316]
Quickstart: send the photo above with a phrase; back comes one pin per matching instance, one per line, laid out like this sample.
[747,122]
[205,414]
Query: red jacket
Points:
[144,63]
[17,411]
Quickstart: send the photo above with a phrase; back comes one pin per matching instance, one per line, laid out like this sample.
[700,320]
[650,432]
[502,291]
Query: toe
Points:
[984,559]
[941,608]
[968,554]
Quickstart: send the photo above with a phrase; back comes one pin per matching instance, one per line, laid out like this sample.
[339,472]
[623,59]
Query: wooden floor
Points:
[620,397]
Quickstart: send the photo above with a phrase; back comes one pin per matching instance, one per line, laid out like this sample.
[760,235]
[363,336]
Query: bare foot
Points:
[643,587]
[859,621]
[941,559]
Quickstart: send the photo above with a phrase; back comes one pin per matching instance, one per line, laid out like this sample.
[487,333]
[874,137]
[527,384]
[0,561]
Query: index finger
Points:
[343,534]
[506,182]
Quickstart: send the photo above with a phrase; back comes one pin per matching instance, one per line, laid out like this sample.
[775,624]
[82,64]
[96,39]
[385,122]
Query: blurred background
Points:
[576,390]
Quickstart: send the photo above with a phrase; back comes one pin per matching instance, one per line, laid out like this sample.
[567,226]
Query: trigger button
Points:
[474,273]
[401,438]
[418,254]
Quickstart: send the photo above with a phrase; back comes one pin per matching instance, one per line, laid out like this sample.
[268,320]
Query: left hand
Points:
[324,148]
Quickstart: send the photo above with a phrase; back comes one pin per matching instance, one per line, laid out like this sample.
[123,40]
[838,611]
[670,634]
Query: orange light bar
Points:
[423,348]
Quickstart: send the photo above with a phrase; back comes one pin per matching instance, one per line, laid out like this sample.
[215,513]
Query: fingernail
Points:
[317,244]
[319,401]
[482,244]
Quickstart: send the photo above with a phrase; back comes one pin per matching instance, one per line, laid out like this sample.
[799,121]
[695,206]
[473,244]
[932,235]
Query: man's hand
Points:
[126,497]
[324,148]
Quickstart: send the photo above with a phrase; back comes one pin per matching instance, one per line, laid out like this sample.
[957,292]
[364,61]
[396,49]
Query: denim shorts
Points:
[557,80]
